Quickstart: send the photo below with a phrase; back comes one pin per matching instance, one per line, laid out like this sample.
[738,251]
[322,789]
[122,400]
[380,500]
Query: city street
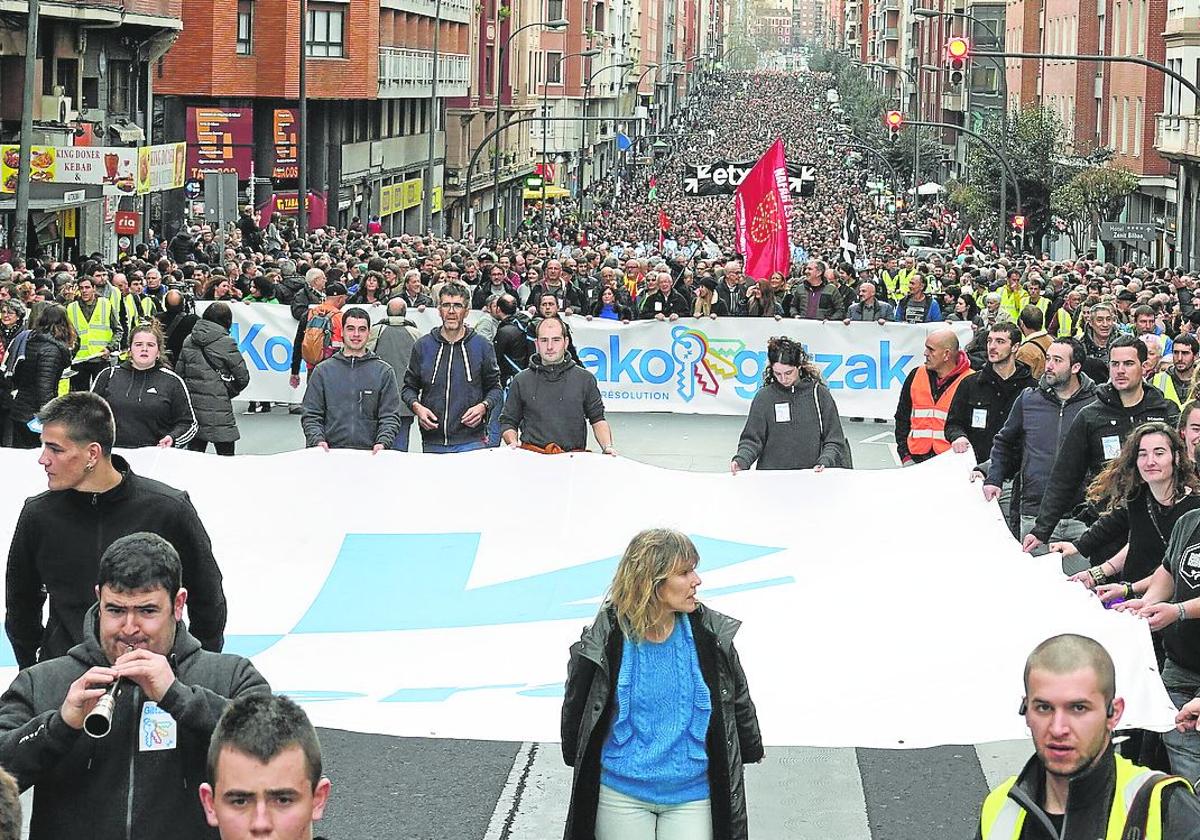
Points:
[463,790]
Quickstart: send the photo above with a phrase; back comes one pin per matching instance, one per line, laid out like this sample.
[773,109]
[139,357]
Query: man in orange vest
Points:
[926,397]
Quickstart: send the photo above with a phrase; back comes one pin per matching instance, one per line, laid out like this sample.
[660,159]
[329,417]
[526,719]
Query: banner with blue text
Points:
[690,366]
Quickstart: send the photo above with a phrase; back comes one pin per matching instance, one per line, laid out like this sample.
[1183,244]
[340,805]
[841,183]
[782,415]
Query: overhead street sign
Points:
[1129,231]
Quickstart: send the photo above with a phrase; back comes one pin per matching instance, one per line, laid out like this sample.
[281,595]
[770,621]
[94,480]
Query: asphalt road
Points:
[426,789]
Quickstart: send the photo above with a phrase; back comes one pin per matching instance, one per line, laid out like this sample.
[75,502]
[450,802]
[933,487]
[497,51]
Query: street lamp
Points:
[587,92]
[912,77]
[560,23]
[588,53]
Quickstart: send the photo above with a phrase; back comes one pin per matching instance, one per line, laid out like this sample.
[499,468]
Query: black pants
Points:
[223,448]
[22,438]
[86,373]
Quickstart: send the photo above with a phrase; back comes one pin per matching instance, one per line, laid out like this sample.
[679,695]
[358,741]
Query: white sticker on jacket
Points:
[157,730]
[979,418]
[783,413]
[1112,446]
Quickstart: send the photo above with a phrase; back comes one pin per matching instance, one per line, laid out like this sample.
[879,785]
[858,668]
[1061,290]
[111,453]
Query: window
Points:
[1137,128]
[245,27]
[554,9]
[118,87]
[554,68]
[324,36]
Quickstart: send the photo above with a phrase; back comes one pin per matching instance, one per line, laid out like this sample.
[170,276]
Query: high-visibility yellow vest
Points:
[1013,303]
[895,287]
[94,335]
[136,309]
[1002,818]
[1163,382]
[1066,323]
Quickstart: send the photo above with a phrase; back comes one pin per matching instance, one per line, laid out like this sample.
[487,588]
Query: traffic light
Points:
[958,50]
[894,121]
[1019,223]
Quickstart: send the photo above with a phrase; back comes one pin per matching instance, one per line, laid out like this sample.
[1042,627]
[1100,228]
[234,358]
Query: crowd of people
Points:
[1071,381]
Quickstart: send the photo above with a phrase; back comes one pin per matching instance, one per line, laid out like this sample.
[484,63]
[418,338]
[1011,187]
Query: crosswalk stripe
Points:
[807,792]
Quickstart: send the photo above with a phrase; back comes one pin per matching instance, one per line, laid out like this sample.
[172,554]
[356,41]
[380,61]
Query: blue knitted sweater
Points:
[655,751]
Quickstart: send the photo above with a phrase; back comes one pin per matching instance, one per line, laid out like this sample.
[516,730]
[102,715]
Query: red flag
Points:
[664,225]
[966,245]
[762,207]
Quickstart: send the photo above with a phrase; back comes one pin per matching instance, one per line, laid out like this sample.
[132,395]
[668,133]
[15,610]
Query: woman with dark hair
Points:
[608,307]
[793,422]
[215,373]
[965,309]
[370,292]
[262,288]
[35,371]
[657,719]
[761,300]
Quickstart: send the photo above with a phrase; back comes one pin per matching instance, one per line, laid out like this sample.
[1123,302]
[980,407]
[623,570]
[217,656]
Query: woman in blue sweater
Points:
[657,720]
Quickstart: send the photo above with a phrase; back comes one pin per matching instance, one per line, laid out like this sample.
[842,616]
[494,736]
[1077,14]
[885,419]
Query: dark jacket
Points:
[553,404]
[148,405]
[1142,524]
[56,550]
[1030,437]
[513,345]
[1089,804]
[656,303]
[982,404]
[306,297]
[733,738]
[567,293]
[828,302]
[450,378]
[83,784]
[734,299]
[352,402]
[793,428]
[1081,455]
[36,377]
[215,372]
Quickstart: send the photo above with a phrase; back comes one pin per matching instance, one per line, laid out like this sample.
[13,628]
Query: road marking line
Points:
[500,826]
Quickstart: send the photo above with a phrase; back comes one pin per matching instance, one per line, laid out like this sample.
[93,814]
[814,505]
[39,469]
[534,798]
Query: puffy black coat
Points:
[215,373]
[36,376]
[733,735]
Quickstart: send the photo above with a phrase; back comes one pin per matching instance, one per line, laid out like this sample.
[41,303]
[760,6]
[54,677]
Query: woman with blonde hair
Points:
[657,720]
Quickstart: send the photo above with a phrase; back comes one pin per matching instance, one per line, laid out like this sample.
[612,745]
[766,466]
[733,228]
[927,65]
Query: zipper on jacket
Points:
[132,759]
[446,409]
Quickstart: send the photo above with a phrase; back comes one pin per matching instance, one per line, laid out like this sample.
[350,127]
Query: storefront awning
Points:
[45,204]
[552,191]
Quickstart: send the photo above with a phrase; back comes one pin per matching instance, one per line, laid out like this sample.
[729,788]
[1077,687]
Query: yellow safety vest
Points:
[94,335]
[1002,817]
[895,287]
[1066,324]
[1013,303]
[130,307]
[1163,382]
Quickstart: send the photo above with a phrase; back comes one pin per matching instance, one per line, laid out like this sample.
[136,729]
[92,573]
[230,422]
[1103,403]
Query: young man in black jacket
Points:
[982,402]
[94,498]
[139,773]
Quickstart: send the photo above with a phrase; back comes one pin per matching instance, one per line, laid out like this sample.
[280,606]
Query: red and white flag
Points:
[762,207]
[966,246]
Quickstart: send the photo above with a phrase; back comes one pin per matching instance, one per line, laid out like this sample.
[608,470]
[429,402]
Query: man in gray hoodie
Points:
[352,401]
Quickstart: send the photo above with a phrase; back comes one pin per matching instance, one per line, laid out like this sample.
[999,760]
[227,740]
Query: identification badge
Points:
[783,412]
[658,306]
[158,730]
[979,418]
[1112,446]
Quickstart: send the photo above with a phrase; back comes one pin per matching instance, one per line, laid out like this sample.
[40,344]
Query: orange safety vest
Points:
[928,429]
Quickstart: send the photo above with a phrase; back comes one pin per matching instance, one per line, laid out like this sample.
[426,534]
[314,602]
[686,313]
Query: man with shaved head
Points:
[1075,777]
[926,397]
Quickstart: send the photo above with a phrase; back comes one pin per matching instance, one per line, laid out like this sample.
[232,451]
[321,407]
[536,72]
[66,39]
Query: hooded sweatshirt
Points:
[352,402]
[120,786]
[449,378]
[552,404]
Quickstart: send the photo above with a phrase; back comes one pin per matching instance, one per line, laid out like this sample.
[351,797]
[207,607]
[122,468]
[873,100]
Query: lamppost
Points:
[931,13]
[588,53]
[561,23]
[587,92]
[912,77]
[434,111]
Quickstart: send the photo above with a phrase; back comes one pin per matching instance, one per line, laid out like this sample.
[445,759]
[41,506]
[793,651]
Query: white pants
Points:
[621,817]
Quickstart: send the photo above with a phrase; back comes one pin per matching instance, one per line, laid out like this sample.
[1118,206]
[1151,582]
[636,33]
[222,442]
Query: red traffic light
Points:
[893,119]
[958,48]
[1019,222]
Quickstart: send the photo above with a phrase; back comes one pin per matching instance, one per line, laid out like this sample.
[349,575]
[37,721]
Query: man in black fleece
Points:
[551,402]
[95,498]
[139,780]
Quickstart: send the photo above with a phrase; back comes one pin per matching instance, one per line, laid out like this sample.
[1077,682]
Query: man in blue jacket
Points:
[452,382]
[352,401]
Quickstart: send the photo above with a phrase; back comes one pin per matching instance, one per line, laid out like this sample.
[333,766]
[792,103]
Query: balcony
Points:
[1177,137]
[458,11]
[891,33]
[408,74]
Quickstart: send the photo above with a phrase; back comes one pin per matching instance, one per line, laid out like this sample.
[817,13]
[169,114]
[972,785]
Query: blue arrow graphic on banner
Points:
[388,582]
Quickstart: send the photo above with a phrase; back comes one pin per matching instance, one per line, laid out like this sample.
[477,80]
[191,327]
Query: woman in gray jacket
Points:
[215,373]
[657,719]
[793,422]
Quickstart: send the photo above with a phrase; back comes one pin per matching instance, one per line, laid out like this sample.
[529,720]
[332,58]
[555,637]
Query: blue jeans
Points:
[443,449]
[400,444]
[493,427]
[1183,748]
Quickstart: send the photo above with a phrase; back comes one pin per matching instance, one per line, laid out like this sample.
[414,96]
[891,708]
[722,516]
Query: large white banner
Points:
[445,619]
[691,366]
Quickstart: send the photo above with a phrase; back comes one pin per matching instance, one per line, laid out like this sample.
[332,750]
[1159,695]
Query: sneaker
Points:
[251,410]
[265,408]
